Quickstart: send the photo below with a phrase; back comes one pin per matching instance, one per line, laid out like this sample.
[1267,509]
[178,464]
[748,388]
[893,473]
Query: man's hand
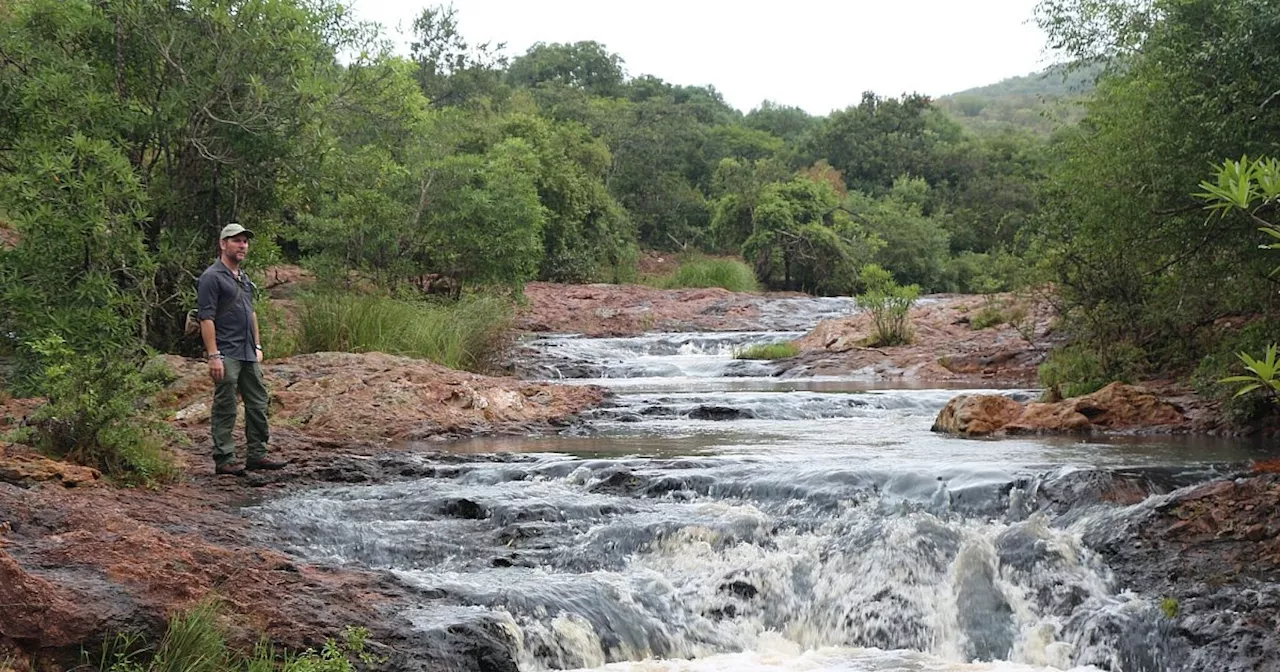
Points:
[216,371]
[259,355]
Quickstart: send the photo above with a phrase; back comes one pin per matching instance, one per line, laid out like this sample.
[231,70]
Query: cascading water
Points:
[715,519]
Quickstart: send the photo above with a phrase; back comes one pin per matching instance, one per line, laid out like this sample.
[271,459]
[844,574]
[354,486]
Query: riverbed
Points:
[713,515]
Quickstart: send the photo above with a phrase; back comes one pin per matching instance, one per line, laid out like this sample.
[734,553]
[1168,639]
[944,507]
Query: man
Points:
[229,329]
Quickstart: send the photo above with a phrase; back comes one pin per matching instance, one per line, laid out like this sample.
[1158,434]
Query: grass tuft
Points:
[768,351]
[729,274]
[463,335]
[194,642]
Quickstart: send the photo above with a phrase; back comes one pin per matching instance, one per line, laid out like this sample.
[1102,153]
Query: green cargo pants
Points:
[245,377]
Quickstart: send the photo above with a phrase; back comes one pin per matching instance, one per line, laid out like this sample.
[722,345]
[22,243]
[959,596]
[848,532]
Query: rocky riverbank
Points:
[86,560]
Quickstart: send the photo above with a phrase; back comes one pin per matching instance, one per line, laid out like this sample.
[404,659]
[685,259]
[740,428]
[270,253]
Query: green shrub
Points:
[989,316]
[768,351]
[1223,361]
[97,414]
[730,274]
[889,305]
[462,335]
[194,642]
[1080,368]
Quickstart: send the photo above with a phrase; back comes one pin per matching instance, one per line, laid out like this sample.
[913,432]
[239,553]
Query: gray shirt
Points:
[228,301]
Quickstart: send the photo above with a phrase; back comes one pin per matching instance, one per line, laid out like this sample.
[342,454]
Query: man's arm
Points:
[207,308]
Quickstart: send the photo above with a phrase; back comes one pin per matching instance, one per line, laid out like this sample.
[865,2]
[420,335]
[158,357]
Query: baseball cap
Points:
[233,229]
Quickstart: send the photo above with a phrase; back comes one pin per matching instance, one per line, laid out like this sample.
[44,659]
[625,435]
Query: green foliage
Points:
[462,335]
[915,245]
[1169,607]
[1038,103]
[890,306]
[989,316]
[1134,259]
[768,351]
[729,274]
[195,642]
[1078,369]
[96,413]
[1264,374]
[798,237]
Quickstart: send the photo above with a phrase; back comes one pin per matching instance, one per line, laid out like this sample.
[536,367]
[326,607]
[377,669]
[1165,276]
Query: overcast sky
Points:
[819,55]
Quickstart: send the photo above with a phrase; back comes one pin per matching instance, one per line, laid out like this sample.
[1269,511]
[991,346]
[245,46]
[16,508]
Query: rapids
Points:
[713,517]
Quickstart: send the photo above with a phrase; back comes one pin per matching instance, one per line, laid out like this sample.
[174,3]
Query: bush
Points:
[889,304]
[730,274]
[768,351]
[97,415]
[1223,361]
[194,642]
[462,335]
[1079,369]
[990,316]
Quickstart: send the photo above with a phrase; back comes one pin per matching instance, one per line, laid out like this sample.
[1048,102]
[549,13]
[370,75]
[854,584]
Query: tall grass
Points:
[462,335]
[194,642]
[730,274]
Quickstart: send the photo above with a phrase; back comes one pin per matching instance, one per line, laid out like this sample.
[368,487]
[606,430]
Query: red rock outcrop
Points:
[946,347]
[374,396]
[1116,407]
[629,310]
[25,469]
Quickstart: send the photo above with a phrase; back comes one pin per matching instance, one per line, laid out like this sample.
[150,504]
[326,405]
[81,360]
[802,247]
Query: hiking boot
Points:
[265,463]
[229,469]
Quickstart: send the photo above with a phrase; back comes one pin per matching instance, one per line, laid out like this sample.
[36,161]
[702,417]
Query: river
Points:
[714,517]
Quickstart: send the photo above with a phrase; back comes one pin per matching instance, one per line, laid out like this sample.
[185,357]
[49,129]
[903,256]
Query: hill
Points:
[1038,102]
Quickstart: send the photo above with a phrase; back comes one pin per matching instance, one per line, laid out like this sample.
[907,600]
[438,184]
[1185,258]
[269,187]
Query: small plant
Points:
[1169,606]
[889,304]
[1265,374]
[768,351]
[991,315]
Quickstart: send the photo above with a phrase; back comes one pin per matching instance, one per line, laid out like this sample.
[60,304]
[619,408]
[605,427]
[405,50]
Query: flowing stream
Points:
[713,517]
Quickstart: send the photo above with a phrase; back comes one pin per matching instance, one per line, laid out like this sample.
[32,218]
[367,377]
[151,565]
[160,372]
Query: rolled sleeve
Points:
[207,297]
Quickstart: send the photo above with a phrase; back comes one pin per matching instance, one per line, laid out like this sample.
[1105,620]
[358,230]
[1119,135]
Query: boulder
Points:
[1116,407]
[976,414]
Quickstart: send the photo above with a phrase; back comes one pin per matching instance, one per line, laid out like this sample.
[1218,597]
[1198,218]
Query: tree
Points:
[450,70]
[1136,261]
[588,66]
[801,240]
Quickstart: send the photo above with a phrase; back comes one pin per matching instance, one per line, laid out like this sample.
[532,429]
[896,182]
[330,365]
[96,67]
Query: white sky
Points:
[819,55]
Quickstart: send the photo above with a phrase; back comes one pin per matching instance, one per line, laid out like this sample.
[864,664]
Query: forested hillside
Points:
[1040,102]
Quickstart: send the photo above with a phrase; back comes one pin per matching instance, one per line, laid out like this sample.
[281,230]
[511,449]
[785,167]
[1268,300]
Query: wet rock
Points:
[1213,551]
[463,508]
[740,589]
[719,413]
[976,414]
